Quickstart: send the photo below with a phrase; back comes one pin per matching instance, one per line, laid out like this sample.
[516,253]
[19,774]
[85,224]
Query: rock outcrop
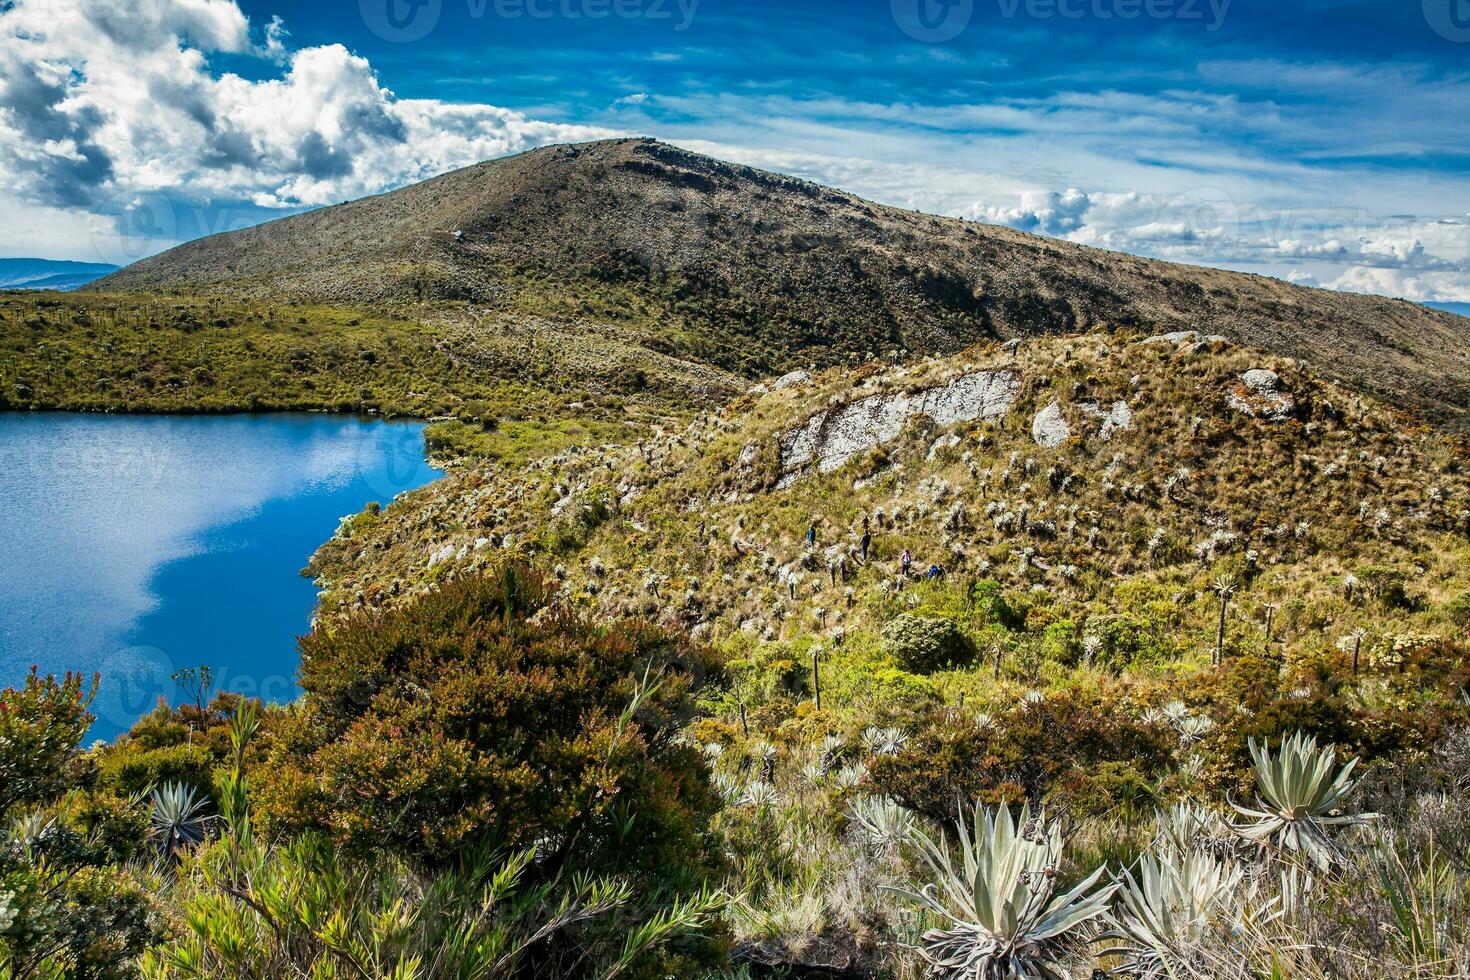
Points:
[835,436]
[1260,394]
[793,380]
[1050,427]
[1118,418]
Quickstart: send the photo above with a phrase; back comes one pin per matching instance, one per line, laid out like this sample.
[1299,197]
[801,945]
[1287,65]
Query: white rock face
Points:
[1261,395]
[1119,418]
[441,555]
[835,436]
[793,380]
[1050,428]
[1177,338]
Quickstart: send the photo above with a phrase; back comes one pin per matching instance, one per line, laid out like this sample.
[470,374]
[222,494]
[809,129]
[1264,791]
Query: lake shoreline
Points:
[165,541]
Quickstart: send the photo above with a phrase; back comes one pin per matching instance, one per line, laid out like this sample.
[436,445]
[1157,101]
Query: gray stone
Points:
[1050,428]
[1119,418]
[1260,394]
[831,438]
[1177,338]
[793,380]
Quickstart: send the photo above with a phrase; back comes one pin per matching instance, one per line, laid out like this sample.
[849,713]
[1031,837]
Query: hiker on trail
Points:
[702,530]
[866,543]
[867,524]
[934,572]
[907,562]
[811,535]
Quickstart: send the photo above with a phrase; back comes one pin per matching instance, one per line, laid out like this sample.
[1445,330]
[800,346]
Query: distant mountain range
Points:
[1463,309]
[50,274]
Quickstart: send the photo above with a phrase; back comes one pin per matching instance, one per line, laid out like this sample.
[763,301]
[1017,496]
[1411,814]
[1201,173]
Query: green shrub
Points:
[478,715]
[71,911]
[1458,609]
[130,772]
[924,644]
[1022,754]
[1388,586]
[988,600]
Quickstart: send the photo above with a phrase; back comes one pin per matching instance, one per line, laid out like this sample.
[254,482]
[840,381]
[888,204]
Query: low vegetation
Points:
[504,390]
[1181,697]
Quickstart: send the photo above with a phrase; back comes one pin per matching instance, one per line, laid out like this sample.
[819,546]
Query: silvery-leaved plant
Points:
[848,777]
[884,741]
[1170,905]
[1004,919]
[178,819]
[760,795]
[884,824]
[1188,825]
[7,911]
[1192,728]
[1301,792]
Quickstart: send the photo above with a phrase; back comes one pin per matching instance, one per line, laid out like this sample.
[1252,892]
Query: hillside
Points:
[1077,472]
[759,273]
[1149,552]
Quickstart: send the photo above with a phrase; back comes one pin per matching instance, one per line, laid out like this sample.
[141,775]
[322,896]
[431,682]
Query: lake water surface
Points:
[138,545]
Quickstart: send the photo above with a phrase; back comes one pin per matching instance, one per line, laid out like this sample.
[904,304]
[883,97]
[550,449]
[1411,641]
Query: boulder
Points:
[1050,428]
[1119,418]
[795,379]
[1261,395]
[1178,338]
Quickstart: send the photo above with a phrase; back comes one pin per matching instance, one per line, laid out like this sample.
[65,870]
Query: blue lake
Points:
[135,546]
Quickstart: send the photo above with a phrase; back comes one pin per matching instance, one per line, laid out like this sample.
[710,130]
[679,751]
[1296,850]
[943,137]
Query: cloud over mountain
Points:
[140,123]
[107,99]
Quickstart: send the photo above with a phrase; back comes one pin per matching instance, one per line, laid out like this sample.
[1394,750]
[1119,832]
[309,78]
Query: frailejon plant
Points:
[1004,918]
[885,825]
[1301,793]
[1170,905]
[177,820]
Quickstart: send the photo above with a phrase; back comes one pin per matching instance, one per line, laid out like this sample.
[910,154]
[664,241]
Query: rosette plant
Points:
[1004,918]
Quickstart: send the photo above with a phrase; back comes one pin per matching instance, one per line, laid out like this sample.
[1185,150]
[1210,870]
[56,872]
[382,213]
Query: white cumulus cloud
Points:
[102,101]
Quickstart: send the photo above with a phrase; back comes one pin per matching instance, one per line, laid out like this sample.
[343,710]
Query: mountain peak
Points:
[760,273]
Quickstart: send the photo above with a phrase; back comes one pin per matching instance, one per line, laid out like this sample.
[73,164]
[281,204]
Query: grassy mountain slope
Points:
[1126,520]
[757,273]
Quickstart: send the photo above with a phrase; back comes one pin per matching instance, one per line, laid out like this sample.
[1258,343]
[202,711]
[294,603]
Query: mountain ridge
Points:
[760,273]
[52,274]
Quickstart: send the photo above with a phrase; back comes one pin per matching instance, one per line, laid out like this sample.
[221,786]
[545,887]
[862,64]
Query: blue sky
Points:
[1328,143]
